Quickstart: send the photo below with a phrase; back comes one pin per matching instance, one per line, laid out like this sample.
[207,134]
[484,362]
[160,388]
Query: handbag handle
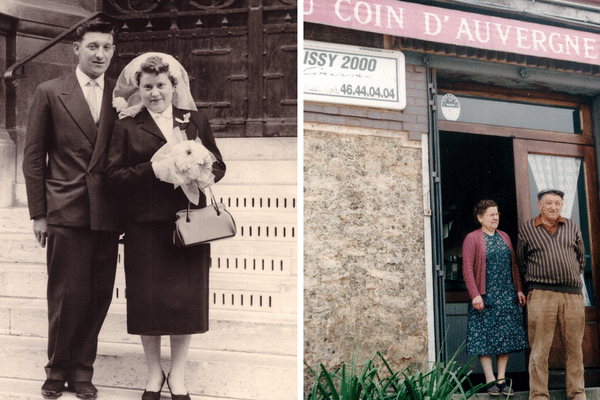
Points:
[213,202]
[212,196]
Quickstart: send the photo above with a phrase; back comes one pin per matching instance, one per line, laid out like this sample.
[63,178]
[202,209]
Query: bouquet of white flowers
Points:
[185,163]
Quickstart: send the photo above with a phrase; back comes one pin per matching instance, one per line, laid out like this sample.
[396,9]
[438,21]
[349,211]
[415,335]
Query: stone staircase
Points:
[250,351]
[590,393]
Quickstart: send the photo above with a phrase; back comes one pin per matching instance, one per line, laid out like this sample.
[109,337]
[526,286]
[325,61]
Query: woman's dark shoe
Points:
[493,390]
[53,388]
[154,395]
[178,396]
[505,389]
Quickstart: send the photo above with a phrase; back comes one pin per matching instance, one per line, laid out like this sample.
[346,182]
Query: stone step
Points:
[25,389]
[591,394]
[265,293]
[229,255]
[210,373]
[260,172]
[257,149]
[269,238]
[229,330]
[245,202]
[276,200]
[243,215]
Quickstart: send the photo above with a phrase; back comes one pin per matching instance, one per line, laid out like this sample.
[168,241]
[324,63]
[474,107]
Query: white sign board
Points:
[361,76]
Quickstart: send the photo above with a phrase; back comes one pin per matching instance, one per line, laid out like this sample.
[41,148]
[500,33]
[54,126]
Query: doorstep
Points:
[591,394]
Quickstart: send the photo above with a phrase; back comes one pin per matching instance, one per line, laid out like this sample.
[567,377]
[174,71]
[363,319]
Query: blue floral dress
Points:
[498,329]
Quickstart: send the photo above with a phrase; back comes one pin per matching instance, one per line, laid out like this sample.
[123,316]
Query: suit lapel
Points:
[105,123]
[146,123]
[74,101]
[188,127]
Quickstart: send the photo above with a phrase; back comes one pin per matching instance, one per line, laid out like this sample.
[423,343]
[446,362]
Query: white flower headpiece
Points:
[126,98]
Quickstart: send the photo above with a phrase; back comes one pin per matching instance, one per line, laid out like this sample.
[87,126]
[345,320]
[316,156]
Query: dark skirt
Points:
[166,286]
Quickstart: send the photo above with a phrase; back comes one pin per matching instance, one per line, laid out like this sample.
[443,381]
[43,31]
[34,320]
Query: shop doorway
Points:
[509,161]
[474,168]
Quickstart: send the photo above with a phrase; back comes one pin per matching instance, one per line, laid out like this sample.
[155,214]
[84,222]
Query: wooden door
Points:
[559,127]
[240,56]
[572,168]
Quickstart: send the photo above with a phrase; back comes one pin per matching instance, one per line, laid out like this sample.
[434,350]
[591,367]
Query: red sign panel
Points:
[459,28]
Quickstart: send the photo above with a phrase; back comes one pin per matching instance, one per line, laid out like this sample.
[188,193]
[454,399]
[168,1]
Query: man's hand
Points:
[40,230]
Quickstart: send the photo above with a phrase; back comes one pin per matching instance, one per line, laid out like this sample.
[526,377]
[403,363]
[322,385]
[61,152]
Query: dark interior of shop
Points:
[474,168]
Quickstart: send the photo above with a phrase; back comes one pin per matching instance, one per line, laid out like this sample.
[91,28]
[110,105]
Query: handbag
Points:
[203,225]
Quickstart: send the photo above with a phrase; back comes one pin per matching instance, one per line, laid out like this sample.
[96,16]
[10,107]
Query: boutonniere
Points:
[185,120]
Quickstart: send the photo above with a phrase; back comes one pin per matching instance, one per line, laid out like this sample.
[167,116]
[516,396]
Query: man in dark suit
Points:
[70,125]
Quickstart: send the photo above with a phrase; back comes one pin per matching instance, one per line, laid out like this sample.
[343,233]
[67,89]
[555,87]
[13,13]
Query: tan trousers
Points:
[544,310]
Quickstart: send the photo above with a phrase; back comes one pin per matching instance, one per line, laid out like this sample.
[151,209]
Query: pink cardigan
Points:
[473,253]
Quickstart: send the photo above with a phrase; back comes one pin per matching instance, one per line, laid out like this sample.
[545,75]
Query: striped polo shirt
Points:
[551,261]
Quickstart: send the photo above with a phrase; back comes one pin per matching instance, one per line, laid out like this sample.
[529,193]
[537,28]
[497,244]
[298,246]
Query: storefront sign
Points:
[450,107]
[456,27]
[353,75]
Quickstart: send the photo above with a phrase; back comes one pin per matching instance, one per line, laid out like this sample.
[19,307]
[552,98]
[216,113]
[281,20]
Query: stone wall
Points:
[364,256]
[25,28]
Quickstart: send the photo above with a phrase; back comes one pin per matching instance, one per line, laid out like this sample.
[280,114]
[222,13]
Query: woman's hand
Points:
[478,303]
[522,299]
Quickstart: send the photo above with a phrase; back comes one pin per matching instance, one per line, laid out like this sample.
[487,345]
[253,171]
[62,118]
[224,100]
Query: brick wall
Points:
[413,119]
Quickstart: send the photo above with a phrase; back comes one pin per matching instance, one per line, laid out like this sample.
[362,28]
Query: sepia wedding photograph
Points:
[148,199]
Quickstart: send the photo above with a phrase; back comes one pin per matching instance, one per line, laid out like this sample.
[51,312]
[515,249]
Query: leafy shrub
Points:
[377,381]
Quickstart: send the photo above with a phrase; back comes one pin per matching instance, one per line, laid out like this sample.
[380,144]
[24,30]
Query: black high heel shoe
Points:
[154,395]
[178,396]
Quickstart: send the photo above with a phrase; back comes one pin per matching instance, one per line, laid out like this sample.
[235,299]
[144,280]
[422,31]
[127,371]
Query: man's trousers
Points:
[81,276]
[545,309]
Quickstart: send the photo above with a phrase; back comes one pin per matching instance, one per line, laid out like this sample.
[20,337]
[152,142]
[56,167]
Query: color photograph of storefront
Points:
[414,111]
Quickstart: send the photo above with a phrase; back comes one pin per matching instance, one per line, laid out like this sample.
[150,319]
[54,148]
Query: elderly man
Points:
[551,256]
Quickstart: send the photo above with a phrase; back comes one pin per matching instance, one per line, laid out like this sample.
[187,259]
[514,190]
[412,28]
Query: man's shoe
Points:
[83,390]
[53,388]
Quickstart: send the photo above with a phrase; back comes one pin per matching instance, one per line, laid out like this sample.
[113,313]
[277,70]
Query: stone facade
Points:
[364,255]
[25,28]
[364,237]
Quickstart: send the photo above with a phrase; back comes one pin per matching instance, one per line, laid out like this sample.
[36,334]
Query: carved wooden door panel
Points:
[240,55]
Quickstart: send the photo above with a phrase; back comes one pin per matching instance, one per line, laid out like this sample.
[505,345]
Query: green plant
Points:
[442,382]
[377,381]
[345,384]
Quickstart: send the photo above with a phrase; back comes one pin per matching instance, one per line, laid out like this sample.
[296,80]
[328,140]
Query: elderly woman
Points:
[494,284]
[167,286]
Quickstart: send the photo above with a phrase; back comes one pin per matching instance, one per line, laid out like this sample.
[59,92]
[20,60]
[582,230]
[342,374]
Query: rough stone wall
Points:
[364,258]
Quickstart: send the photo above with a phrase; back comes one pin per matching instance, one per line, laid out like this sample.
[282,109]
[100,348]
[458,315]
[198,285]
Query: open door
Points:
[542,137]
[571,168]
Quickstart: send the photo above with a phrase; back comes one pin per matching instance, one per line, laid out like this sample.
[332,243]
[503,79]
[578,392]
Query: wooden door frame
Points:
[524,147]
[554,143]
